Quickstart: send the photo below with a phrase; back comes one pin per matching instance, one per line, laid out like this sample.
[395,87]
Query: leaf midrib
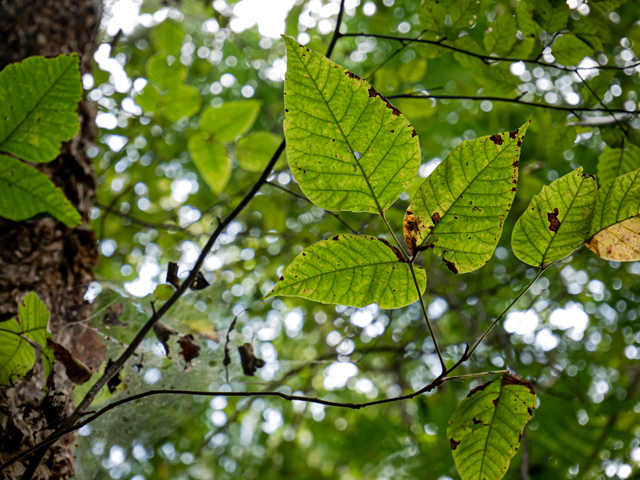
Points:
[495,411]
[37,104]
[346,139]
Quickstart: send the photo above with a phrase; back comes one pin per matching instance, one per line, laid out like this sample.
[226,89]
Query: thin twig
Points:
[517,100]
[143,223]
[486,58]
[301,197]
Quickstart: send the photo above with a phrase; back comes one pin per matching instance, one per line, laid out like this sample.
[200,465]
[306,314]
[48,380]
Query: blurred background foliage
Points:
[190,109]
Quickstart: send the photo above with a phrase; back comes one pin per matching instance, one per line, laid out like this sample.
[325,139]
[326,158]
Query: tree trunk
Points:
[45,256]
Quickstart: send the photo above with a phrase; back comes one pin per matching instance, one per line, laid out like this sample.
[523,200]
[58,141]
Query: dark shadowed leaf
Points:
[189,348]
[250,363]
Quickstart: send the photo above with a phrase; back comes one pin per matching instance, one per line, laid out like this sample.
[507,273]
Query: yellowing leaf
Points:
[615,228]
[462,205]
[163,292]
[351,270]
[347,146]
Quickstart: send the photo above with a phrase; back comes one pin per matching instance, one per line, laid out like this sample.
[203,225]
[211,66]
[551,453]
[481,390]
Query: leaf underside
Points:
[26,192]
[354,271]
[462,205]
[38,101]
[557,220]
[17,355]
[615,228]
[485,430]
[347,146]
[211,160]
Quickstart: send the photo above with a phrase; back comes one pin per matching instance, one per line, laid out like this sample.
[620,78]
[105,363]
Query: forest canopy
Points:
[345,238]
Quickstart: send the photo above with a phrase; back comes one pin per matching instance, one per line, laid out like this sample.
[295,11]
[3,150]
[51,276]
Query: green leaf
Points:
[38,101]
[149,99]
[347,146]
[463,13]
[432,17]
[351,270]
[16,354]
[485,430]
[230,120]
[607,5]
[255,150]
[461,207]
[163,292]
[615,229]
[599,84]
[212,161]
[534,16]
[569,50]
[25,192]
[168,37]
[163,74]
[557,220]
[412,72]
[181,101]
[614,162]
[501,36]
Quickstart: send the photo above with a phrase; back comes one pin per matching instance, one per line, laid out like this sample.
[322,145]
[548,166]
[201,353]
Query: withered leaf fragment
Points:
[250,363]
[77,371]
[190,349]
[163,332]
[112,317]
[172,274]
[199,282]
[115,381]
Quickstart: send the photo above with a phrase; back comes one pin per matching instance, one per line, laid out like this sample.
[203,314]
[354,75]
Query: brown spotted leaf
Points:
[347,146]
[461,207]
[351,270]
[485,430]
[615,228]
[77,371]
[557,220]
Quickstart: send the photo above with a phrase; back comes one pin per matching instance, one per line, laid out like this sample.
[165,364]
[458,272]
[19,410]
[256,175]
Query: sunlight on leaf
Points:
[616,224]
[230,120]
[461,207]
[211,159]
[614,162]
[347,146]
[351,270]
[557,220]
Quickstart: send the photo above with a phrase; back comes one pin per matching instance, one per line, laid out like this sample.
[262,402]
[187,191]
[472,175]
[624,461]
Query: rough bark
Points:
[43,255]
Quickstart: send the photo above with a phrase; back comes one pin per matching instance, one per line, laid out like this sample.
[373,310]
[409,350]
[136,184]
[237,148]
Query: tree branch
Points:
[485,58]
[291,398]
[517,100]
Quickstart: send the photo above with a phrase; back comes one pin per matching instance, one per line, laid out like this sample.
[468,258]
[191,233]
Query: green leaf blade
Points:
[351,270]
[484,431]
[615,229]
[462,205]
[17,356]
[38,101]
[230,120]
[212,161]
[557,220]
[569,50]
[26,192]
[255,150]
[347,146]
[614,162]
[181,101]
